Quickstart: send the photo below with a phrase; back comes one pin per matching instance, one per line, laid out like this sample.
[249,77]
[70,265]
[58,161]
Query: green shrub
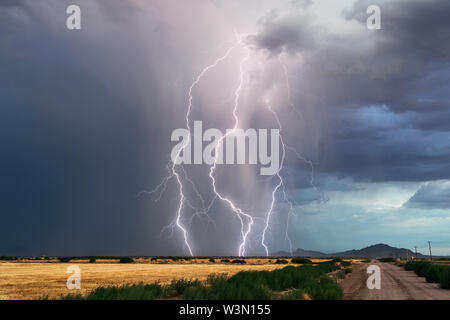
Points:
[432,272]
[281,261]
[92,260]
[327,289]
[8,258]
[409,265]
[332,261]
[127,292]
[299,260]
[418,267]
[225,260]
[346,263]
[422,269]
[247,285]
[240,261]
[64,259]
[296,294]
[348,270]
[178,287]
[126,260]
[197,293]
[282,279]
[233,288]
[444,280]
[212,260]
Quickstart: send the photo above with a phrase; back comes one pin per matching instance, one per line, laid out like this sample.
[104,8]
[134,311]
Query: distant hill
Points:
[375,251]
[301,253]
[378,251]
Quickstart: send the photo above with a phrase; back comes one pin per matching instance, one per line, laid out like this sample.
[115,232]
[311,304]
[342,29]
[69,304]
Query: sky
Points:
[86,118]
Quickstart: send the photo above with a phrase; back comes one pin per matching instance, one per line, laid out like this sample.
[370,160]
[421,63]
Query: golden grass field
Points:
[34,280]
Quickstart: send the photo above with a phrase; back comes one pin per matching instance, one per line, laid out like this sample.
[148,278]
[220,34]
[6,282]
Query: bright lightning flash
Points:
[178,172]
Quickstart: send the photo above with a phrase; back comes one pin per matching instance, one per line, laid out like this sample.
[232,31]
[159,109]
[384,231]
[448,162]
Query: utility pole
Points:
[429,246]
[415,249]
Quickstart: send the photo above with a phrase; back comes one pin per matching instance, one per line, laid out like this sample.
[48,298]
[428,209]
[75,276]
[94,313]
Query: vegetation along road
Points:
[396,284]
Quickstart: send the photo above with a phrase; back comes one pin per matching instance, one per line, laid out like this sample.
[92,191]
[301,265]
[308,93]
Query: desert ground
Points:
[27,279]
[34,280]
[396,284]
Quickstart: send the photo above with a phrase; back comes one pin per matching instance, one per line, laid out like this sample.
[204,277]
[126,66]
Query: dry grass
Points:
[35,279]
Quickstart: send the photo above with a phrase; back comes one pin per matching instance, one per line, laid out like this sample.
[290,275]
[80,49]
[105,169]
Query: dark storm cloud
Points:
[402,72]
[74,138]
[373,67]
[432,195]
[415,44]
[12,3]
[86,115]
[417,29]
[293,33]
[67,146]
[85,125]
[374,144]
[12,14]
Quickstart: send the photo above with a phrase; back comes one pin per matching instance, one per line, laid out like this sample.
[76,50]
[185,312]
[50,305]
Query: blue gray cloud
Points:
[86,119]
[432,195]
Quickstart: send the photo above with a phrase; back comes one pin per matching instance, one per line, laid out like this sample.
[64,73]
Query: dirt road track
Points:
[396,284]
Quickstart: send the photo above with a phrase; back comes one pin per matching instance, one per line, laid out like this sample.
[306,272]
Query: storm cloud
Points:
[384,91]
[86,118]
[432,195]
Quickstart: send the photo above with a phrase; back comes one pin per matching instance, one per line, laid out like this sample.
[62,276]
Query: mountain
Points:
[301,253]
[376,251]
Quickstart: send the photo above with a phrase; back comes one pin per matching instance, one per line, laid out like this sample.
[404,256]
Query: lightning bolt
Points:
[288,88]
[293,150]
[178,173]
[290,213]
[174,168]
[238,211]
[280,183]
[174,165]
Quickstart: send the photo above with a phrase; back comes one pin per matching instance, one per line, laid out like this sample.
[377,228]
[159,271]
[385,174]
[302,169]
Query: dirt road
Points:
[396,284]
